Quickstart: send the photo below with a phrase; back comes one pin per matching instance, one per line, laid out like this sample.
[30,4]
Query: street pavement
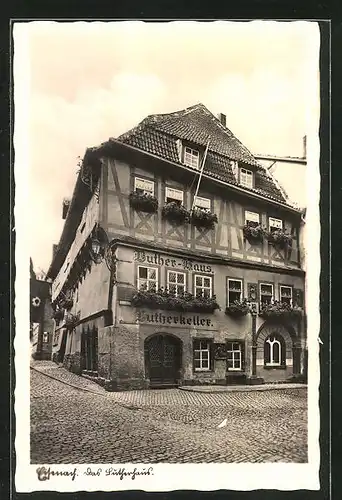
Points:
[75,421]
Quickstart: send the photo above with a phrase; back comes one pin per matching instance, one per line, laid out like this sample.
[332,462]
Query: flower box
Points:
[71,319]
[238,308]
[143,202]
[280,310]
[162,299]
[279,238]
[68,303]
[254,234]
[58,315]
[202,218]
[175,213]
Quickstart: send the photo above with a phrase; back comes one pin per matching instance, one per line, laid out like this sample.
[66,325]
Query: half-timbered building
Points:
[179,262]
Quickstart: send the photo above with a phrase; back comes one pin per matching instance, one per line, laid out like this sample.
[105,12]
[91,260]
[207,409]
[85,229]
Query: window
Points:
[191,157]
[275,224]
[266,293]
[234,356]
[274,351]
[147,278]
[234,291]
[202,354]
[203,286]
[246,178]
[252,218]
[45,337]
[176,283]
[172,194]
[143,186]
[286,294]
[203,203]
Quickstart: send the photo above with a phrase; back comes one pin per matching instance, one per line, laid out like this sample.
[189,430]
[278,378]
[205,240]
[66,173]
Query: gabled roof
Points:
[158,134]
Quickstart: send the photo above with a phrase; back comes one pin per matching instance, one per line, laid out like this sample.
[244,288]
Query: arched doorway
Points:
[163,360]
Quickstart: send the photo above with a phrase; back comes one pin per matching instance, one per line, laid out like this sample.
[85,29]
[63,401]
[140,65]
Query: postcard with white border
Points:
[167,257]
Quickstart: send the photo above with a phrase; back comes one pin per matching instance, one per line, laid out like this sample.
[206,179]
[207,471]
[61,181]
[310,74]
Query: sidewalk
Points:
[58,372]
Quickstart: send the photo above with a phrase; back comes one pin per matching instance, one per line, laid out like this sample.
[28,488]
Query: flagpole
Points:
[200,176]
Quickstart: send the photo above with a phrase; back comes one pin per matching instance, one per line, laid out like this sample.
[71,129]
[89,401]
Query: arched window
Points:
[274,351]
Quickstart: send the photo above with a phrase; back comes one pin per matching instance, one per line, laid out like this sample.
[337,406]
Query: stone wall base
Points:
[192,381]
[72,362]
[41,356]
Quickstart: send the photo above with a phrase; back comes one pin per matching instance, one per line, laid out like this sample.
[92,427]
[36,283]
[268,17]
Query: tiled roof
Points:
[158,134]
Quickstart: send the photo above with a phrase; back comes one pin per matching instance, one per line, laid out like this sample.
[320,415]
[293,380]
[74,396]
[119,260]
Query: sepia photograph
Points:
[167,211]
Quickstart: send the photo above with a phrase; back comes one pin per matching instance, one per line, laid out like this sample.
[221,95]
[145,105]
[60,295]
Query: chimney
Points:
[304,146]
[222,118]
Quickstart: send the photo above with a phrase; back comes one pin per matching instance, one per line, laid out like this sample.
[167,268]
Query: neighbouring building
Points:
[41,322]
[154,286]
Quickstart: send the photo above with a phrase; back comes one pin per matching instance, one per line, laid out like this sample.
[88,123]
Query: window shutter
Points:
[242,356]
[211,354]
[267,352]
[252,292]
[283,351]
[193,354]
[298,297]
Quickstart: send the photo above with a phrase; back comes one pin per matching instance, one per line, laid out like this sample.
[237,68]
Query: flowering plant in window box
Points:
[70,320]
[162,299]
[58,315]
[279,238]
[278,309]
[174,212]
[143,202]
[238,308]
[253,233]
[201,217]
[67,304]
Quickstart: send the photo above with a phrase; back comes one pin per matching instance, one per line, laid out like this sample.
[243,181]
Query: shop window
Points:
[234,291]
[275,224]
[285,293]
[203,286]
[246,178]
[266,293]
[176,283]
[143,186]
[147,278]
[274,351]
[202,355]
[191,157]
[252,218]
[174,195]
[234,356]
[202,203]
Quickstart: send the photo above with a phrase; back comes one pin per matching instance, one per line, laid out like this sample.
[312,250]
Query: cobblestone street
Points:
[88,425]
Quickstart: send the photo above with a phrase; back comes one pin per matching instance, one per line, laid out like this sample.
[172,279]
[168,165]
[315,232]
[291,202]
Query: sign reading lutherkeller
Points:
[155,258]
[175,319]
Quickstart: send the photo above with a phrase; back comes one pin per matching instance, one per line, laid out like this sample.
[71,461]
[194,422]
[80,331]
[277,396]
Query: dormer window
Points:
[246,178]
[191,157]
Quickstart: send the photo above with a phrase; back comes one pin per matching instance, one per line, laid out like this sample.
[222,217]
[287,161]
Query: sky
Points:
[91,81]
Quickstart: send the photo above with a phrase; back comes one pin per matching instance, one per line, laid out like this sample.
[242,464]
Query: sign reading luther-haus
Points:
[162,260]
[178,319]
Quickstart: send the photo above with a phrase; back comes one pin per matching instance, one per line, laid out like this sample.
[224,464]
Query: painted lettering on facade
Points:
[174,319]
[156,259]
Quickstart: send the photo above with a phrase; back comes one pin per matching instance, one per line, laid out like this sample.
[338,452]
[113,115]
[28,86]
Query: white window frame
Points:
[271,343]
[203,201]
[140,281]
[191,157]
[234,351]
[261,295]
[289,288]
[202,287]
[175,191]
[246,174]
[177,273]
[145,182]
[252,217]
[202,368]
[274,223]
[228,288]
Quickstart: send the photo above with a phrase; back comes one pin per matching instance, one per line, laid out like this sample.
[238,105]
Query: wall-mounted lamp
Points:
[101,249]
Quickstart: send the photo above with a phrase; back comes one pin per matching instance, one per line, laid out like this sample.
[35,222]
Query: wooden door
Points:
[163,360]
